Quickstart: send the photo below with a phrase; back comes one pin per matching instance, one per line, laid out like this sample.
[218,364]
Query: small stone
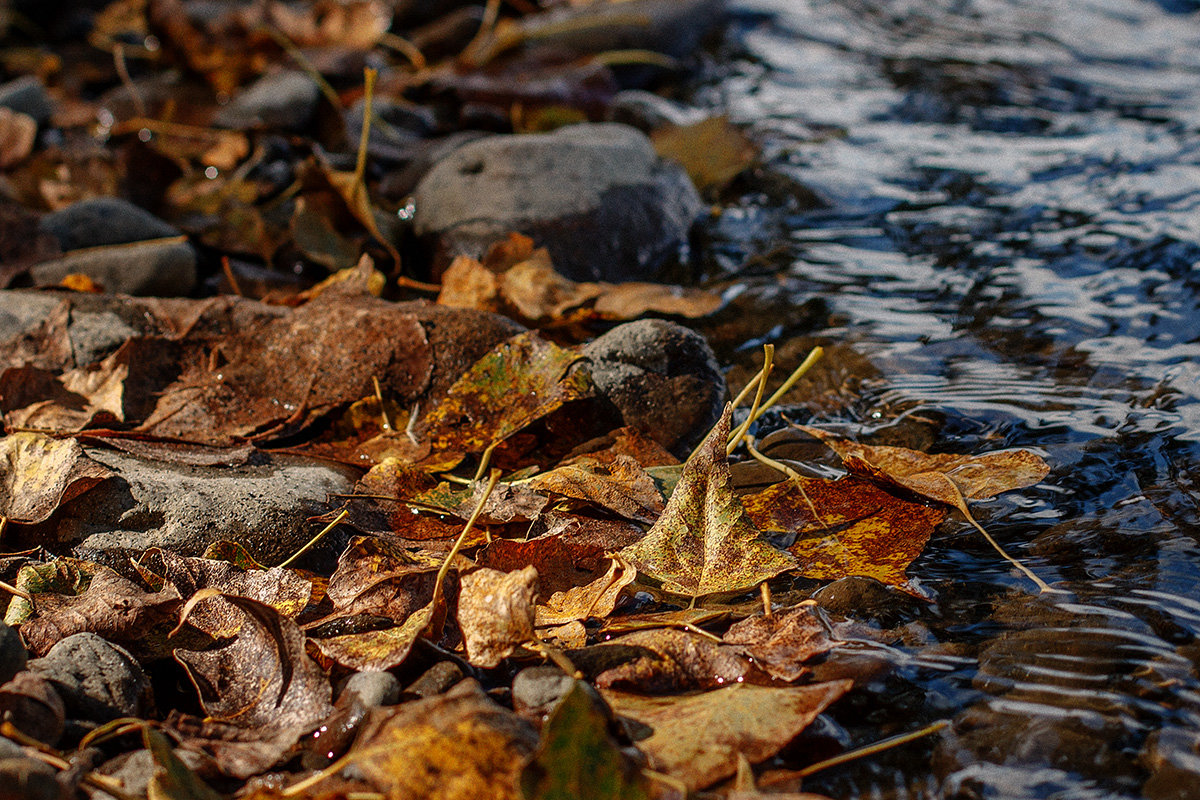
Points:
[535,690]
[283,100]
[662,377]
[23,778]
[374,688]
[163,268]
[34,706]
[100,221]
[13,655]
[435,680]
[596,195]
[96,679]
[28,96]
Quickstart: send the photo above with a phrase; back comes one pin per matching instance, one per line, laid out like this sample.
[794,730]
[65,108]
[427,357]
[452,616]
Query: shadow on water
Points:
[1002,214]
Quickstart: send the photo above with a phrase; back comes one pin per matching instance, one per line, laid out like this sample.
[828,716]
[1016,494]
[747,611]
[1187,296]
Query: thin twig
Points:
[872,749]
[315,539]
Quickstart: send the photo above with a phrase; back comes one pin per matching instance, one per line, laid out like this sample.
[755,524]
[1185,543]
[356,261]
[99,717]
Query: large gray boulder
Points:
[596,195]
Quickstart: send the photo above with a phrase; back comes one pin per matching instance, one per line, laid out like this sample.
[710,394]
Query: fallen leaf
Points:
[519,381]
[378,577]
[262,679]
[38,474]
[846,527]
[712,151]
[172,780]
[236,751]
[621,486]
[704,543]
[944,477]
[597,599]
[578,759]
[65,576]
[111,606]
[496,613]
[33,705]
[666,660]
[697,738]
[782,642]
[456,745]
[376,650]
[561,564]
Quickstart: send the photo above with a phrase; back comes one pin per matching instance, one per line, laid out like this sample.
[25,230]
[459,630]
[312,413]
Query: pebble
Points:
[96,679]
[160,268]
[596,195]
[283,100]
[100,221]
[13,655]
[28,96]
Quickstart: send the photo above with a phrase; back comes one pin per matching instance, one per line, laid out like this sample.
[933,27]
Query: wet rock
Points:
[101,221]
[663,379]
[264,506]
[674,27]
[595,195]
[283,100]
[96,679]
[27,95]
[13,656]
[160,268]
[374,688]
[535,690]
[862,598]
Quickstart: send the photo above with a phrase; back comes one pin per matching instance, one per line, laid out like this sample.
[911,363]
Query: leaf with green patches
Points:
[704,542]
[578,759]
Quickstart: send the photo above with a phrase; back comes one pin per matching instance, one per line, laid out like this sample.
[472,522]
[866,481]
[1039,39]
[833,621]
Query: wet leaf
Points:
[782,642]
[496,613]
[697,738]
[33,705]
[262,679]
[621,486]
[597,599]
[561,564]
[712,151]
[578,759]
[840,540]
[704,543]
[110,606]
[519,381]
[455,745]
[944,477]
[38,474]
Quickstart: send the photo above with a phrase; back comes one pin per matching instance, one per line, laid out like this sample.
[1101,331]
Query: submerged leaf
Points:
[704,543]
[782,642]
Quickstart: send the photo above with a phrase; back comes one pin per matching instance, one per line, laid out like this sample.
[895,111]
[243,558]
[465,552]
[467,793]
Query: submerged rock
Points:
[596,195]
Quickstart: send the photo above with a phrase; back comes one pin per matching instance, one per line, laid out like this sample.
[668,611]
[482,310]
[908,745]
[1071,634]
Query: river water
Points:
[997,203]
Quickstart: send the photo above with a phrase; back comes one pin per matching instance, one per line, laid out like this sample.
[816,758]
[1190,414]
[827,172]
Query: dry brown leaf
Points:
[38,474]
[712,151]
[621,486]
[597,599]
[496,613]
[665,660]
[697,738]
[376,650]
[18,132]
[378,577]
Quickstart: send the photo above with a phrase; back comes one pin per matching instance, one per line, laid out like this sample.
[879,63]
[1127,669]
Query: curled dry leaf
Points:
[496,613]
[621,486]
[378,577]
[697,738]
[379,649]
[704,542]
[34,706]
[455,745]
[263,679]
[578,758]
[712,151]
[597,599]
[668,660]
[38,474]
[782,642]
[66,576]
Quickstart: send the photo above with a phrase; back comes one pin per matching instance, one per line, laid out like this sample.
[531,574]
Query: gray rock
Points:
[535,690]
[595,194]
[674,27]
[374,688]
[93,336]
[99,221]
[96,679]
[28,96]
[662,377]
[647,110]
[160,268]
[264,506]
[403,125]
[28,779]
[282,100]
[13,655]
[435,680]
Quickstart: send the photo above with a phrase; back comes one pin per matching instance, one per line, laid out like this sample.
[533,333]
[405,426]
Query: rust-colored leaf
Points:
[38,474]
[697,738]
[496,613]
[455,745]
[705,543]
[378,577]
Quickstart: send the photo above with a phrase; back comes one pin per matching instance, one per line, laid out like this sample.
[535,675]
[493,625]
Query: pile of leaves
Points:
[564,608]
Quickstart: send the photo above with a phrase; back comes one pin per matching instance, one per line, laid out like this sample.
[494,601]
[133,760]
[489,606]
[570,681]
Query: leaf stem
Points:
[315,539]
[872,749]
